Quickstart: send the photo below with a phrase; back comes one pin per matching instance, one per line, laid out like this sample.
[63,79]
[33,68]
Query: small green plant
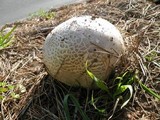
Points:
[42,13]
[123,89]
[77,107]
[120,93]
[121,85]
[7,90]
[153,57]
[5,39]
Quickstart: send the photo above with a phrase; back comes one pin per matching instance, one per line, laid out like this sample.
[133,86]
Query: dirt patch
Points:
[21,63]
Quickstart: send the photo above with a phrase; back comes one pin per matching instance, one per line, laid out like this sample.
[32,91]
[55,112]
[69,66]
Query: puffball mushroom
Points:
[80,39]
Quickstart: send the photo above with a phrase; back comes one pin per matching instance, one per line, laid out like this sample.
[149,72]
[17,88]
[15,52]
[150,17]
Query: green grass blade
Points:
[115,106]
[120,89]
[74,100]
[4,40]
[130,96]
[149,91]
[100,84]
[66,109]
[9,33]
[93,103]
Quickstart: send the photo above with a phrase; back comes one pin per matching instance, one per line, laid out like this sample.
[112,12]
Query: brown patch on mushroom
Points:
[93,17]
[111,39]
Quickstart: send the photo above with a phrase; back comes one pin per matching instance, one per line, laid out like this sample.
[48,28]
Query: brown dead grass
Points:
[21,63]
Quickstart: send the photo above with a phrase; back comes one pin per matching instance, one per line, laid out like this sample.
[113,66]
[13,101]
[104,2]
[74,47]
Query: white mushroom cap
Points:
[81,39]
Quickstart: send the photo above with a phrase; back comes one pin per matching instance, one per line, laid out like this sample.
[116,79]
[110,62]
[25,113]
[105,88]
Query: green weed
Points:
[77,106]
[5,38]
[43,14]
[151,56]
[123,88]
[118,95]
[7,90]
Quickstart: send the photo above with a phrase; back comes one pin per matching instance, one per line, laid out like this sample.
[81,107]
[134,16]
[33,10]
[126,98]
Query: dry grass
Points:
[21,63]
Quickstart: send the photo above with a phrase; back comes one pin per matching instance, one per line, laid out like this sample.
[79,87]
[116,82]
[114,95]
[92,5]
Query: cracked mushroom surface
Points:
[79,40]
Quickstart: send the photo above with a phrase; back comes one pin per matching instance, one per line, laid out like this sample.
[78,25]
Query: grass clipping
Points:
[28,92]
